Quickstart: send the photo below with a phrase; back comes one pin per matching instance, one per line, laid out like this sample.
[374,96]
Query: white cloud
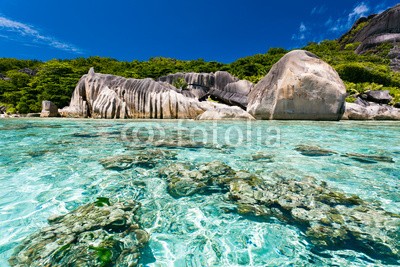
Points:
[343,24]
[27,31]
[303,27]
[301,35]
[318,10]
[359,11]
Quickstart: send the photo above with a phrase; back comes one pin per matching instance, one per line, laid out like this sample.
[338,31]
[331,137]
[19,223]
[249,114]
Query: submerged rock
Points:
[98,234]
[147,159]
[262,157]
[369,158]
[300,86]
[186,180]
[330,219]
[314,151]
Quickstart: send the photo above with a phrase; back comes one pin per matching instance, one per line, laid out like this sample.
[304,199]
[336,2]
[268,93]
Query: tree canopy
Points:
[23,91]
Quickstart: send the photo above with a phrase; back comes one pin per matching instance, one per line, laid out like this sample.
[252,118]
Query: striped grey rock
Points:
[300,86]
[49,109]
[234,94]
[221,86]
[112,97]
[198,83]
[371,112]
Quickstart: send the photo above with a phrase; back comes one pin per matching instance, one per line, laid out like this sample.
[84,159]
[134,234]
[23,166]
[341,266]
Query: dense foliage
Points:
[22,91]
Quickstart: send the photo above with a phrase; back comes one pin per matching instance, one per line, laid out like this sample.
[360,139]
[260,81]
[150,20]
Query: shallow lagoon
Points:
[53,166]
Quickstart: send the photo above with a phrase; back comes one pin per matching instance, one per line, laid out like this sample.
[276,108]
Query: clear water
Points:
[52,166]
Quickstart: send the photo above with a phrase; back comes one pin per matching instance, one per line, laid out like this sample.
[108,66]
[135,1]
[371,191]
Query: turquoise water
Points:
[53,166]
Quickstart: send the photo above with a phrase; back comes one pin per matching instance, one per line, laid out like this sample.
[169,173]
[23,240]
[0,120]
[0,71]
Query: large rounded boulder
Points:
[299,87]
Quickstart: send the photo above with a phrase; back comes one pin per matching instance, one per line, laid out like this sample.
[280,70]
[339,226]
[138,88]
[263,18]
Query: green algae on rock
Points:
[92,235]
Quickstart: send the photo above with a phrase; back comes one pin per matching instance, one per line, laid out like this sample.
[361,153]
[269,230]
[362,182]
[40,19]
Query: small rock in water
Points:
[262,157]
[313,151]
[146,159]
[368,158]
[98,234]
[186,180]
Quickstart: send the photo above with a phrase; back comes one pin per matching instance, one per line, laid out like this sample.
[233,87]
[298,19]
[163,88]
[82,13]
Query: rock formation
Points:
[380,97]
[107,96]
[3,110]
[112,97]
[98,234]
[198,83]
[382,28]
[362,110]
[49,109]
[221,86]
[299,87]
[235,93]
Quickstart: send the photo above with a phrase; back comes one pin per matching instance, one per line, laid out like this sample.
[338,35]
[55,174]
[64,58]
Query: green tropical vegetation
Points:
[55,80]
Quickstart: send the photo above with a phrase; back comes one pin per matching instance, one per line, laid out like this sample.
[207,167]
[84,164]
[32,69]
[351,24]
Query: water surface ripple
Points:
[53,166]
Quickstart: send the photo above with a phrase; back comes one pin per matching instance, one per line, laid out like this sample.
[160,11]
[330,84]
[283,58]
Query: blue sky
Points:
[213,30]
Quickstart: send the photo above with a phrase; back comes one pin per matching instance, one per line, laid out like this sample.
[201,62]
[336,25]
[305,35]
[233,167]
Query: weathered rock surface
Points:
[4,77]
[299,87]
[3,110]
[394,56]
[380,97]
[382,28]
[370,112]
[49,109]
[234,94]
[330,219]
[112,97]
[108,96]
[198,83]
[221,86]
[99,234]
[28,71]
[225,113]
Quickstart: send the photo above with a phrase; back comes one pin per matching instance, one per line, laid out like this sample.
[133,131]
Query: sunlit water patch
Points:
[53,166]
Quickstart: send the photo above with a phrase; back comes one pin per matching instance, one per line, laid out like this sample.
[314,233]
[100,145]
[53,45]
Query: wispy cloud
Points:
[342,24]
[318,10]
[28,35]
[359,11]
[301,35]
